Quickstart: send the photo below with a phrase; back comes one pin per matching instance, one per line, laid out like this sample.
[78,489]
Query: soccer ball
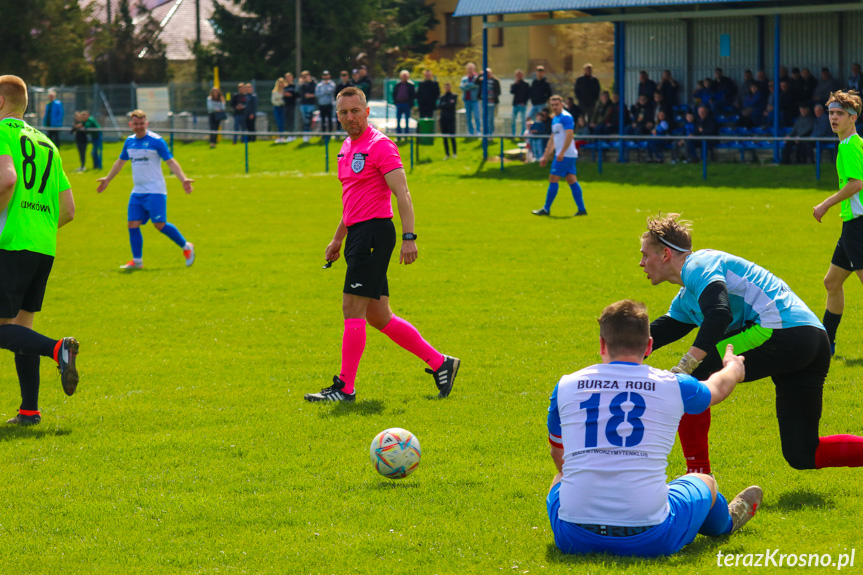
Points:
[395,453]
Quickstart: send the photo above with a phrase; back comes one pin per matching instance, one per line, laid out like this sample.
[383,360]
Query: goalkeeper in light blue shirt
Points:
[734,301]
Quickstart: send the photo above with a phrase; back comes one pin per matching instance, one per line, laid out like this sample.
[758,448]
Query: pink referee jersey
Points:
[363,163]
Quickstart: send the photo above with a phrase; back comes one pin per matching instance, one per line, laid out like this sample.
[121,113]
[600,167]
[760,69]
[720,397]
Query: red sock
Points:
[409,338]
[839,451]
[693,430]
[353,344]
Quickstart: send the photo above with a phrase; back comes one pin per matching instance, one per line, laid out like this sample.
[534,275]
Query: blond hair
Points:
[138,114]
[14,91]
[670,231]
[848,100]
[352,91]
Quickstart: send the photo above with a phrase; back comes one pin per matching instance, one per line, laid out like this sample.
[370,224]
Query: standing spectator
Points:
[325,94]
[404,96]
[492,99]
[646,86]
[642,115]
[798,86]
[803,127]
[788,104]
[726,86]
[587,91]
[94,130]
[307,102]
[447,105]
[344,81]
[688,132]
[216,113]
[54,114]
[470,95]
[540,91]
[668,87]
[655,147]
[855,80]
[277,99]
[428,94]
[614,127]
[80,140]
[520,91]
[291,96]
[825,87]
[238,102]
[251,111]
[783,73]
[705,125]
[363,81]
[809,84]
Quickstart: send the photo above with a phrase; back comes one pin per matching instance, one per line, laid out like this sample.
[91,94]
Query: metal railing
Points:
[597,145]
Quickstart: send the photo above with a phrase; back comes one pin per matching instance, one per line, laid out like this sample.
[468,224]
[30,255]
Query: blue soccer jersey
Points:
[756,295]
[616,424]
[146,155]
[559,125]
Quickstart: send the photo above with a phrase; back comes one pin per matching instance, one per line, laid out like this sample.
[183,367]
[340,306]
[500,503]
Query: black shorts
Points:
[23,278]
[848,254]
[368,248]
[797,359]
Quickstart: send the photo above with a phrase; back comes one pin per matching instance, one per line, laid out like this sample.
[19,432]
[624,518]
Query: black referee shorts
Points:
[23,278]
[848,254]
[368,249]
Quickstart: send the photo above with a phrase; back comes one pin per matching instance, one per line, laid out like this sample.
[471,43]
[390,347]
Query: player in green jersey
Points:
[35,200]
[843,109]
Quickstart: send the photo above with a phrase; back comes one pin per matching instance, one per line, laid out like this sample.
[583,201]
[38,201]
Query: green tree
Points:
[45,41]
[129,52]
[399,31]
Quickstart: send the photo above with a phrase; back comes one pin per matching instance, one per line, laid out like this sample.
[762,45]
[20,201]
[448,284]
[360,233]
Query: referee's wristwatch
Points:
[411,237]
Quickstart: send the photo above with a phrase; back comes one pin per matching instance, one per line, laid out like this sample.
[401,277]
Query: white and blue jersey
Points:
[616,424]
[146,155]
[559,125]
[755,295]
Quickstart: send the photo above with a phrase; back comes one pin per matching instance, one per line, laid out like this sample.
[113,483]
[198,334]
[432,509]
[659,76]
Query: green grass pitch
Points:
[188,447]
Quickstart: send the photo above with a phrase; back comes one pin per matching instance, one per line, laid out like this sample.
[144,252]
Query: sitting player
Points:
[611,427]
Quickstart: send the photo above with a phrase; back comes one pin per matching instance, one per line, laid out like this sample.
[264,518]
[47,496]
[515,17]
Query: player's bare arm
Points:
[175,168]
[568,135]
[398,184]
[115,169]
[549,152]
[332,252]
[67,208]
[852,187]
[723,382]
[557,457]
[8,177]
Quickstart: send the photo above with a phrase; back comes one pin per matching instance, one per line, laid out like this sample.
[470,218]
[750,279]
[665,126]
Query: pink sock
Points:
[353,344]
[839,451]
[409,338]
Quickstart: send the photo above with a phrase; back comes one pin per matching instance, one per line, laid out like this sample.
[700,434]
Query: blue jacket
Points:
[54,114]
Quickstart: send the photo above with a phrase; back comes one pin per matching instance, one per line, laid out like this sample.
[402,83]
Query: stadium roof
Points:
[601,7]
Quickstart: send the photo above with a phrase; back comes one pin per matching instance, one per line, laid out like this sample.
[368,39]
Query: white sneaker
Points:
[189,253]
[131,265]
[445,158]
[454,157]
[306,138]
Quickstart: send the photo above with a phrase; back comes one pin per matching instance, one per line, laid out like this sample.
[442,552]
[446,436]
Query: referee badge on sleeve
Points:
[358,162]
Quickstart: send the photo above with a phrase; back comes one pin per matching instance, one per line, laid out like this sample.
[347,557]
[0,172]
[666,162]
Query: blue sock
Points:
[137,241]
[718,521]
[549,197]
[172,232]
[576,195]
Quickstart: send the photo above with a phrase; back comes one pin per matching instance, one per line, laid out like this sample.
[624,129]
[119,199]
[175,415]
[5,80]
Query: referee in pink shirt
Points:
[370,169]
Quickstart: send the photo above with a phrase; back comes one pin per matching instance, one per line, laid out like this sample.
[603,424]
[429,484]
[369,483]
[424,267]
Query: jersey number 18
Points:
[618,416]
